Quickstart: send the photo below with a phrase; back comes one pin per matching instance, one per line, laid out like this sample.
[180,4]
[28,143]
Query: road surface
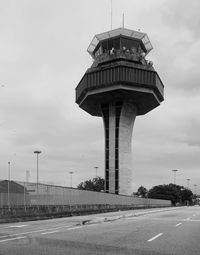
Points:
[172,231]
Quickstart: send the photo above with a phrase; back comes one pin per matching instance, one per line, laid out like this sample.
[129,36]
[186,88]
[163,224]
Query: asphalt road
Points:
[171,231]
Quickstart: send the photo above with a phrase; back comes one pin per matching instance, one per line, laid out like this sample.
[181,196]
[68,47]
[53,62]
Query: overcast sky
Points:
[43,56]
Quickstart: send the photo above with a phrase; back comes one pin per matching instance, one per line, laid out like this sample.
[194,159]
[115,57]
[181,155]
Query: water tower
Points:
[120,85]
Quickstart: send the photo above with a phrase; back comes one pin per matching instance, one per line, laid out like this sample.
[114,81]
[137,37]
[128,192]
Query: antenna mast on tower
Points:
[123,20]
[111,7]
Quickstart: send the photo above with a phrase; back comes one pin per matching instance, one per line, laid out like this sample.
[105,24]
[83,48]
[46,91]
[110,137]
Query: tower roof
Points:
[143,37]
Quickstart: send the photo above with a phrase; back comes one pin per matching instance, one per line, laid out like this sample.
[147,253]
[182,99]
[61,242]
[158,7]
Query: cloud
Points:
[183,15]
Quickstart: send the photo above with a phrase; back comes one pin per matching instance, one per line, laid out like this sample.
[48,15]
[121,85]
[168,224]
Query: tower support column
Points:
[118,119]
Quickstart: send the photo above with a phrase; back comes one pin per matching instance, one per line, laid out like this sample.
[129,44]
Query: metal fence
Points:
[30,194]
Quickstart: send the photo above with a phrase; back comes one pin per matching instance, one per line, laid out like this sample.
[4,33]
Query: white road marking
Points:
[17,226]
[50,232]
[74,228]
[30,232]
[55,231]
[11,239]
[188,219]
[178,224]
[155,237]
[25,233]
[134,219]
[92,225]
[191,220]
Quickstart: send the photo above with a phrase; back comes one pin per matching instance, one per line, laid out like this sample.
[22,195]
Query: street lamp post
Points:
[195,191]
[37,153]
[96,167]
[71,178]
[9,185]
[174,170]
[188,183]
[27,176]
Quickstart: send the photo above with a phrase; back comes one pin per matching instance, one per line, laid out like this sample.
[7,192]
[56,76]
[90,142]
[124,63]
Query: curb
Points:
[113,218]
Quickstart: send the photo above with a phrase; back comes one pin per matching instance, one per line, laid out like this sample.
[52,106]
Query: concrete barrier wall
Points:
[56,195]
[73,196]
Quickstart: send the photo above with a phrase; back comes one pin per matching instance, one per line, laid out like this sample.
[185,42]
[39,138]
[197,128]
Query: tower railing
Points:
[119,74]
[121,54]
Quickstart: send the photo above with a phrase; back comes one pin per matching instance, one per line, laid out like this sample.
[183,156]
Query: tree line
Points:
[176,193]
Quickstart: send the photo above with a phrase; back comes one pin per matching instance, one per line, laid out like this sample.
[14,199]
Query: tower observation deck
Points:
[119,85]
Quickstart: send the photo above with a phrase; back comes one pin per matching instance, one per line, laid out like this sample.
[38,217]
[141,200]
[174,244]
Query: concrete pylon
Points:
[119,118]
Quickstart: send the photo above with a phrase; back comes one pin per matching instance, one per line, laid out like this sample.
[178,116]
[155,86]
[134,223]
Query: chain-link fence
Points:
[14,194]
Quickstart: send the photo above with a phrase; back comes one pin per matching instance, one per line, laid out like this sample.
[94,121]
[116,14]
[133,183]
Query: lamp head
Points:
[37,152]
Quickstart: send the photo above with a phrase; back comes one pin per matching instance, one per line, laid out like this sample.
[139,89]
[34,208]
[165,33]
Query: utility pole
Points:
[27,176]
[37,153]
[71,178]
[9,186]
[188,183]
[195,191]
[96,167]
[174,170]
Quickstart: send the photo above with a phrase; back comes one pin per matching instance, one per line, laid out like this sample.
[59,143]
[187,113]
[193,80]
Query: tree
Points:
[168,192]
[186,196]
[96,184]
[175,193]
[142,191]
